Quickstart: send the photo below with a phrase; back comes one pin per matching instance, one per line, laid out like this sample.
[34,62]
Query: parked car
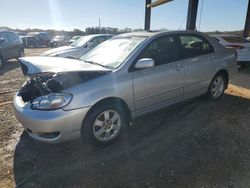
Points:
[36,39]
[59,40]
[96,96]
[74,39]
[79,47]
[11,46]
[242,46]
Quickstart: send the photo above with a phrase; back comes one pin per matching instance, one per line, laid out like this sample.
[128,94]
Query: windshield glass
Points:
[112,53]
[81,41]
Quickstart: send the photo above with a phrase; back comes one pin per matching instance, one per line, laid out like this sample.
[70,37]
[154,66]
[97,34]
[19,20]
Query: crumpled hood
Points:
[62,49]
[34,65]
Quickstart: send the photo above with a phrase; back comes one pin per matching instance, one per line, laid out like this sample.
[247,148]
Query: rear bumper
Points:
[63,125]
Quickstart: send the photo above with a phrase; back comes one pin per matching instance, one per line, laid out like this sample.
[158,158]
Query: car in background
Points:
[78,47]
[11,46]
[36,39]
[96,96]
[241,44]
[59,40]
[74,38]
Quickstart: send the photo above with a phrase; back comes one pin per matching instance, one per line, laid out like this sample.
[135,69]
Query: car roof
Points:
[221,35]
[148,34]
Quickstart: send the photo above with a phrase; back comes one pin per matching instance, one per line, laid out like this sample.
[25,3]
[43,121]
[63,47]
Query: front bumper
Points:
[40,122]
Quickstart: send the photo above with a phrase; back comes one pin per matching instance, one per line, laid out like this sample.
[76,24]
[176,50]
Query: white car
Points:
[242,46]
[78,47]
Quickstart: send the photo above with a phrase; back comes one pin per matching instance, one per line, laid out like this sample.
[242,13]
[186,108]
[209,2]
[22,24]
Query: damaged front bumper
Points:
[54,126]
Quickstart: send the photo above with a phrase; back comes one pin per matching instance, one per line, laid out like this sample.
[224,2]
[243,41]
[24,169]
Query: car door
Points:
[199,57]
[12,45]
[162,84]
[5,47]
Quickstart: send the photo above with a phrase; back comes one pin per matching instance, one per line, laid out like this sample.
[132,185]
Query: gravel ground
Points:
[198,143]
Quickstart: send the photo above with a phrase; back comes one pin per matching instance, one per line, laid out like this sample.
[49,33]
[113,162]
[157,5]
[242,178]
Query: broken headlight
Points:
[51,101]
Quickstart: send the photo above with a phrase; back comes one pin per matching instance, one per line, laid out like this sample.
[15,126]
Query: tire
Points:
[100,130]
[217,86]
[1,62]
[21,53]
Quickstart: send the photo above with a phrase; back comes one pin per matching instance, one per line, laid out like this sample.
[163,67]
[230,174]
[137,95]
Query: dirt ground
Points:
[199,143]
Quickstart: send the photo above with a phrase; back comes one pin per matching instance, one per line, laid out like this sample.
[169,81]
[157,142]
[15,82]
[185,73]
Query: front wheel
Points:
[103,125]
[217,87]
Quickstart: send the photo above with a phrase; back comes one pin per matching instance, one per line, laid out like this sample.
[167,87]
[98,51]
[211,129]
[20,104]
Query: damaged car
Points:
[96,96]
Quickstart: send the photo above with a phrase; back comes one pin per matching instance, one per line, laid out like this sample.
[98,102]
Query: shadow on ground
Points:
[196,144]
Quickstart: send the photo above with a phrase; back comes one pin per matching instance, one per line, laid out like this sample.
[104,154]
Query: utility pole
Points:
[100,23]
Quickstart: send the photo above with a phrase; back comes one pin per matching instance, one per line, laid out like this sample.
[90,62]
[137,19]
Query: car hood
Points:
[59,50]
[35,65]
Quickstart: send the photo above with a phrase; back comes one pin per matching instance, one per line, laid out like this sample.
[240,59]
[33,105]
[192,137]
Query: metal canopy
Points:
[191,15]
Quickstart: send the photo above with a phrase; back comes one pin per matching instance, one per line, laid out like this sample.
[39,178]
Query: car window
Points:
[98,40]
[162,50]
[233,39]
[11,36]
[4,36]
[192,46]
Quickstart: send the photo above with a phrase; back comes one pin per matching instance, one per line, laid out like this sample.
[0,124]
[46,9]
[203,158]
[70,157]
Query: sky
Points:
[222,15]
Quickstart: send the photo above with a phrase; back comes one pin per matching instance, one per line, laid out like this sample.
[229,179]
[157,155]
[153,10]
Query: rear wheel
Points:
[217,86]
[103,125]
[1,62]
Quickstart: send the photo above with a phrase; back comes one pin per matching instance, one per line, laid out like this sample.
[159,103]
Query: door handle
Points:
[212,58]
[178,67]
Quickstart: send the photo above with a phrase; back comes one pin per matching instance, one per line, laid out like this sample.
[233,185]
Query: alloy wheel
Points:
[107,125]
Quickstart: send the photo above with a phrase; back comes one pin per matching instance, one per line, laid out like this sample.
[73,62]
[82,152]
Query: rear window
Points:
[236,40]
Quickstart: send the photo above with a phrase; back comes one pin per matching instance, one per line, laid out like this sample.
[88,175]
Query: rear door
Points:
[199,57]
[13,45]
[5,47]
[162,84]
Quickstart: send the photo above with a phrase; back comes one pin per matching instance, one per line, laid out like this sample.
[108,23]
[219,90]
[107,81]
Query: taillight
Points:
[235,46]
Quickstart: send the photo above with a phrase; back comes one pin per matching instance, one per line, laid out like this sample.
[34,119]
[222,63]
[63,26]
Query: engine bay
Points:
[45,83]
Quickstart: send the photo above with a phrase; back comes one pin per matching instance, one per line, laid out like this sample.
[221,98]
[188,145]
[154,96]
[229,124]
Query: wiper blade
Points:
[94,63]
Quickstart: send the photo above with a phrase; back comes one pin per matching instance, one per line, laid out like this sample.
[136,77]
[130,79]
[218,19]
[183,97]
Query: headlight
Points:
[51,102]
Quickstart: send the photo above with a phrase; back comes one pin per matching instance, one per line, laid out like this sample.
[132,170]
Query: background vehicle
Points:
[74,39]
[36,39]
[122,78]
[78,47]
[10,46]
[59,40]
[240,44]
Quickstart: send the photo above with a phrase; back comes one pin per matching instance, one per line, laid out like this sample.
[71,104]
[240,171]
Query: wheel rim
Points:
[217,87]
[107,125]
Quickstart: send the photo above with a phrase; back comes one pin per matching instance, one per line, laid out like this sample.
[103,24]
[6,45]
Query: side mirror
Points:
[2,40]
[144,63]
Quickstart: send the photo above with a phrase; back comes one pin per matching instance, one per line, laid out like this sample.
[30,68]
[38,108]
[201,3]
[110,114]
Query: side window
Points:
[11,37]
[192,46]
[4,36]
[162,50]
[97,41]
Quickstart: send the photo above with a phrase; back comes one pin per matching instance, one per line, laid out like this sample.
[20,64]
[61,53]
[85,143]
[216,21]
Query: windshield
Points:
[81,41]
[112,53]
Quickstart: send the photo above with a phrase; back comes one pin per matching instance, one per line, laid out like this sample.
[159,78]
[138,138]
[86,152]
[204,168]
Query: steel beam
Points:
[247,22]
[147,15]
[192,14]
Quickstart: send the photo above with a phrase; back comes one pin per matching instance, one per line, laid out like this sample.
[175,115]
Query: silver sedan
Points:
[95,97]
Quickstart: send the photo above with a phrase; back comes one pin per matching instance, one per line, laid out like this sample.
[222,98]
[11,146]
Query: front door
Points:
[162,84]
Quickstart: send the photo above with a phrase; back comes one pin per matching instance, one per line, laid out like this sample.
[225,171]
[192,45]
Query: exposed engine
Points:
[45,83]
